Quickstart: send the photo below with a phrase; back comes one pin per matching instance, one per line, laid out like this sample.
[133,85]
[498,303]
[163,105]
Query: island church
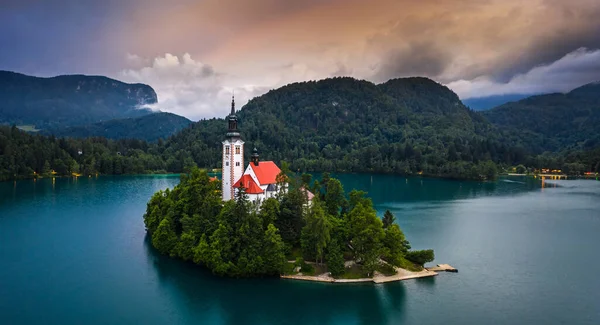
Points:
[258,179]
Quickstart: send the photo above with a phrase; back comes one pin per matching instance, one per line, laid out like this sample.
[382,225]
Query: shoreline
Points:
[401,275]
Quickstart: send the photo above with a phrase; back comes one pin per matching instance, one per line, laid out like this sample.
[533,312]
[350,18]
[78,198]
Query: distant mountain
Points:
[485,103]
[149,127]
[553,121]
[69,100]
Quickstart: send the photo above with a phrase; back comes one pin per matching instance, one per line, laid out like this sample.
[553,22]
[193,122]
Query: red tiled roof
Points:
[266,172]
[212,179]
[249,184]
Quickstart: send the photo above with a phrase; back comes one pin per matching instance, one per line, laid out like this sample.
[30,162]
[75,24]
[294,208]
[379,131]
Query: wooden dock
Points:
[443,268]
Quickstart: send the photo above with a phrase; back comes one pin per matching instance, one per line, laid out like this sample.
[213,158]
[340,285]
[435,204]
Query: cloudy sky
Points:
[195,53]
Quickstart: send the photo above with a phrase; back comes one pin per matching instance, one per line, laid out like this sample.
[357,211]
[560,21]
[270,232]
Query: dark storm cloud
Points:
[416,59]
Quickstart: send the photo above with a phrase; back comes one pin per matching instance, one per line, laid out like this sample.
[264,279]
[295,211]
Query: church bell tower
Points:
[233,155]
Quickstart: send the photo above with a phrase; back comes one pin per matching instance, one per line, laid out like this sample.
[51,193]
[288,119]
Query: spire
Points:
[254,157]
[232,131]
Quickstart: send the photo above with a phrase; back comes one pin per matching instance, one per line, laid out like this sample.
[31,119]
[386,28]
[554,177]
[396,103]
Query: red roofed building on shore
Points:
[259,179]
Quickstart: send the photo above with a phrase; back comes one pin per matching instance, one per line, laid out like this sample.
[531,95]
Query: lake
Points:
[74,251]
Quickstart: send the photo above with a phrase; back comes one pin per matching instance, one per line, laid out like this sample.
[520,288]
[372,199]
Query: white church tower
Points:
[233,156]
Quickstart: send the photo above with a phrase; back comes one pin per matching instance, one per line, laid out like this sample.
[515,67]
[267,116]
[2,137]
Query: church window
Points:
[227,150]
[237,150]
[227,163]
[237,163]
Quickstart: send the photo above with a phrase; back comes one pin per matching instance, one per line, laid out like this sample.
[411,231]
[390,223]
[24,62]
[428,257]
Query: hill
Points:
[553,122]
[149,127]
[69,100]
[405,126]
[489,102]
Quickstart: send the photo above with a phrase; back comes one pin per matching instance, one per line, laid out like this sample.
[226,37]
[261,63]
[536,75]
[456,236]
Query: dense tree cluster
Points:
[238,238]
[150,127]
[25,155]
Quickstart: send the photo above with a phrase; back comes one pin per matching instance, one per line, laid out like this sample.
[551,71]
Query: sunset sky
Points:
[194,53]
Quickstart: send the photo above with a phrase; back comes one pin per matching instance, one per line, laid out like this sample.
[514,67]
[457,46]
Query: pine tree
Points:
[388,219]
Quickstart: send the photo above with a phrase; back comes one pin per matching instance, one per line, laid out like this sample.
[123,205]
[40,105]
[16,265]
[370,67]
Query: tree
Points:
[273,246]
[366,233]
[335,258]
[388,219]
[420,257]
[334,197]
[46,169]
[164,238]
[269,211]
[316,233]
[185,246]
[520,169]
[395,244]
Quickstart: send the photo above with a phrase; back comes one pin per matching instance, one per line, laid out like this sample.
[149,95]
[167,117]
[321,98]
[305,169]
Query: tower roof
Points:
[249,184]
[232,105]
[266,172]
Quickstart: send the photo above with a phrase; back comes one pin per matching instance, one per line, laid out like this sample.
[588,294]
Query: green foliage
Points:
[334,197]
[388,219]
[164,238]
[420,257]
[234,240]
[150,127]
[335,258]
[366,236]
[315,235]
[396,245]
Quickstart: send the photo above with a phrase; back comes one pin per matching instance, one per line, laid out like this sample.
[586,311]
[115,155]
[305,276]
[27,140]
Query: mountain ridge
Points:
[69,100]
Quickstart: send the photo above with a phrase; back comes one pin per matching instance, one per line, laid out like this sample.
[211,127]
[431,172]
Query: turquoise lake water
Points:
[75,252]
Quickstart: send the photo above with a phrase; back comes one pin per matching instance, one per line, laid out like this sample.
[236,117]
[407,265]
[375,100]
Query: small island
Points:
[285,235]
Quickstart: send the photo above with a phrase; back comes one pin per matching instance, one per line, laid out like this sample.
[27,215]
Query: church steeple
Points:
[232,131]
[254,157]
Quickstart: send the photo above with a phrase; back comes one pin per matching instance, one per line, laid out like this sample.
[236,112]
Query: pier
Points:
[443,268]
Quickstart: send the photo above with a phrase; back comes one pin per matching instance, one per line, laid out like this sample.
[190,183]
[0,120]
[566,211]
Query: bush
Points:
[420,257]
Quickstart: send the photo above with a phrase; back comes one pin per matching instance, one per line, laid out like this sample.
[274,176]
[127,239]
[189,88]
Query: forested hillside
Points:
[552,122]
[149,127]
[404,126]
[69,100]
[342,124]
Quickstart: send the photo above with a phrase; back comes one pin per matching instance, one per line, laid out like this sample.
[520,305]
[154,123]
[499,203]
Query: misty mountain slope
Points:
[69,100]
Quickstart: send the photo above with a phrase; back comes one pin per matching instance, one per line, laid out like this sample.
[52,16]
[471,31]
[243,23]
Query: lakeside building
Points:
[259,178]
